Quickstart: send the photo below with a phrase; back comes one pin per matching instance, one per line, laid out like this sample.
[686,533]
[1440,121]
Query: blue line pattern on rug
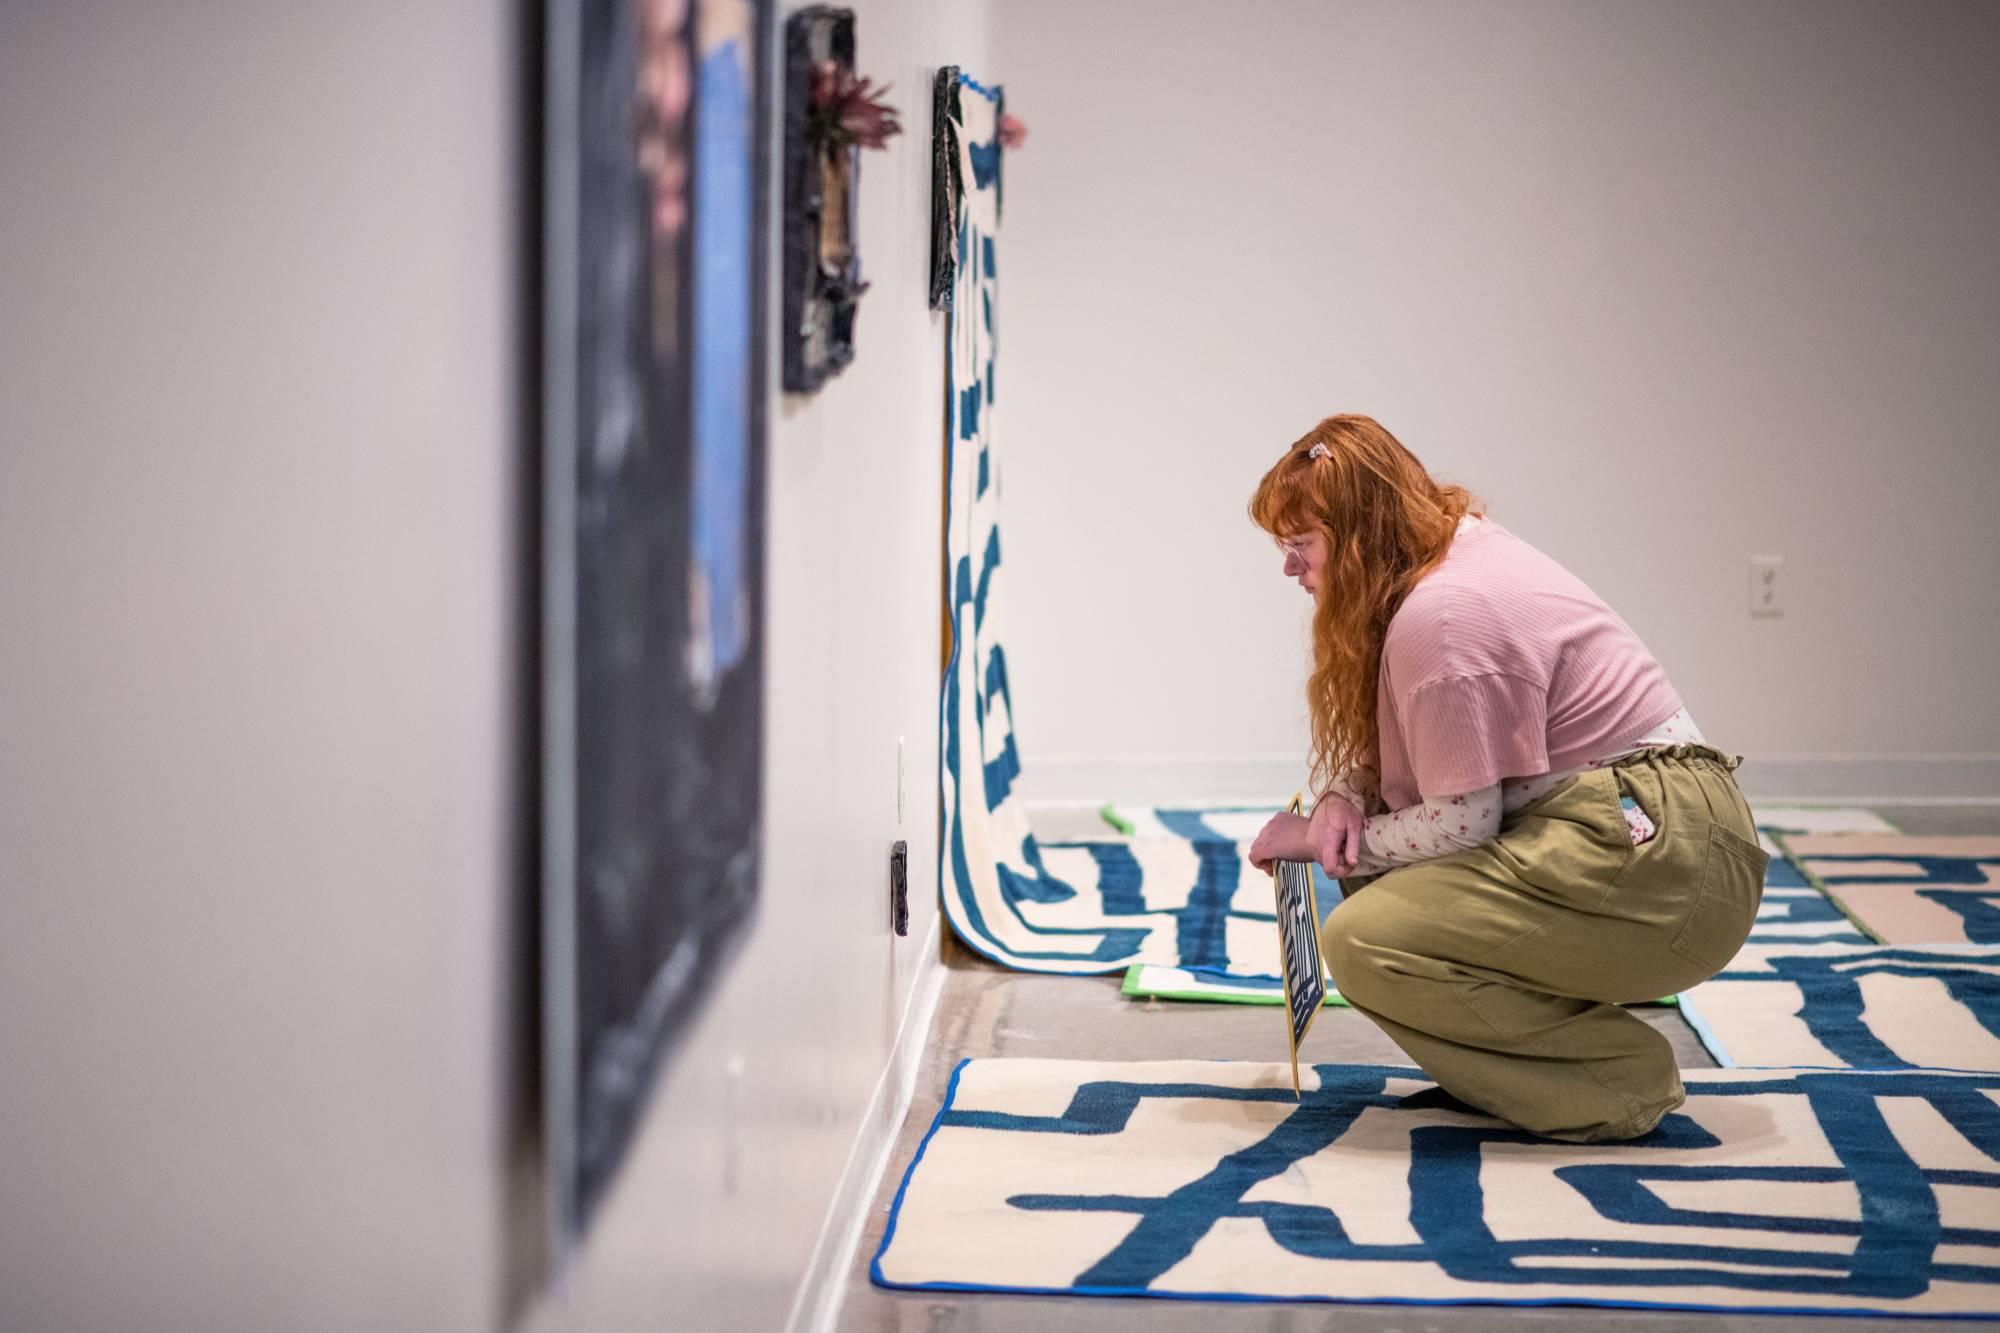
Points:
[1896,1234]
[1965,886]
[1869,1007]
[1074,907]
[1833,1008]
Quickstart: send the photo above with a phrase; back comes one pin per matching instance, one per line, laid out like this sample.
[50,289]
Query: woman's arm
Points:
[1434,827]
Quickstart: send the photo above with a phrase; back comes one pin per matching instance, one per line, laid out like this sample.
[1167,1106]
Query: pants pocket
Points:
[1732,886]
[1571,845]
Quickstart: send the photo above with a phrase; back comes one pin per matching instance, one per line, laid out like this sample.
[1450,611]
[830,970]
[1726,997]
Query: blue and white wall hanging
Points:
[1094,906]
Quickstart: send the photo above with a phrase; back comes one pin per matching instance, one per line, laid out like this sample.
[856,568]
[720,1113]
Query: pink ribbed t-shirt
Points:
[1501,663]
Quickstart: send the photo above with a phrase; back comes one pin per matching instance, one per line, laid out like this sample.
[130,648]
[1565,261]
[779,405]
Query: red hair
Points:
[1386,523]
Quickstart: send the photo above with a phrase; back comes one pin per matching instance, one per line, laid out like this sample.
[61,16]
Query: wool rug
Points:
[1907,890]
[1806,1191]
[1793,912]
[1041,906]
[1060,907]
[1868,1007]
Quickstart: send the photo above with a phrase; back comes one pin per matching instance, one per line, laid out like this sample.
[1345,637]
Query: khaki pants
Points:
[1500,969]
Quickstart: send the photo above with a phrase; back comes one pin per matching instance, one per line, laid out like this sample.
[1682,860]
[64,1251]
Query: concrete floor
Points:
[990,1011]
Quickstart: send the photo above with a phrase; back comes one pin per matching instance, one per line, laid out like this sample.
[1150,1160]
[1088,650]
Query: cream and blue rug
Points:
[1077,907]
[1867,1007]
[1165,895]
[1793,912]
[1793,1190]
[1909,890]
[1229,821]
[1152,981]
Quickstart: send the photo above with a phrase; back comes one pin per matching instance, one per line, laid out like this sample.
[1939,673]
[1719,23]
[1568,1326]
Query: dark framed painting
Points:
[652,549]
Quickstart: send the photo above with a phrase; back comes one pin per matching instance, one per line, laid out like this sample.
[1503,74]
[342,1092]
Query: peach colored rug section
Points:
[1910,890]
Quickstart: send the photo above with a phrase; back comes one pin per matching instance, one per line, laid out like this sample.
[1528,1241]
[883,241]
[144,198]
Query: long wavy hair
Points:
[1387,523]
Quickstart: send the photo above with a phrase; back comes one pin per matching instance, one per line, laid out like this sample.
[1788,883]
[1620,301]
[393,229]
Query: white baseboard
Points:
[1873,779]
[816,1307]
[1847,779]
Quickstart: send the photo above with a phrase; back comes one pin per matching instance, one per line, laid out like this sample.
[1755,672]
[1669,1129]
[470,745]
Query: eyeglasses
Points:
[1295,547]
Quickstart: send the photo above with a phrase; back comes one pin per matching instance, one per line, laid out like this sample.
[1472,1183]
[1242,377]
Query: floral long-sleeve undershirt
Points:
[1441,825]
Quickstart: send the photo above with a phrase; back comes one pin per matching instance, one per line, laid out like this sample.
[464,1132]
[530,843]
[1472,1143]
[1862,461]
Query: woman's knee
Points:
[1353,941]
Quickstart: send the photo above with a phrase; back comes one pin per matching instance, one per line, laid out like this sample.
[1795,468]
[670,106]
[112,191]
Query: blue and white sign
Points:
[1298,935]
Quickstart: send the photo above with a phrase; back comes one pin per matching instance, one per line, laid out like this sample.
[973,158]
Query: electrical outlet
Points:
[1767,585]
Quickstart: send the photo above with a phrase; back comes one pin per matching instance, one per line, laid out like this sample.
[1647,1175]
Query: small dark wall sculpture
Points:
[947,187]
[830,116]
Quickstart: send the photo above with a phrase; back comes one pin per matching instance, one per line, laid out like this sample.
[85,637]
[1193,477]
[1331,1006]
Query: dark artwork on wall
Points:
[823,283]
[947,186]
[653,490]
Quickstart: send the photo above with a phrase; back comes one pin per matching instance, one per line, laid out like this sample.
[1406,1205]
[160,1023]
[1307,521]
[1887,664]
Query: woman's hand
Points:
[1287,837]
[1336,834]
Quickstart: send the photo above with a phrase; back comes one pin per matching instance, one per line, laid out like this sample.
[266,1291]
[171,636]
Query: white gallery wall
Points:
[259,829]
[264,852]
[1670,285]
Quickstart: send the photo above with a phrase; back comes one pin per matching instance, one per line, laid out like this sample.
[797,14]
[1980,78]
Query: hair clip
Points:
[1320,451]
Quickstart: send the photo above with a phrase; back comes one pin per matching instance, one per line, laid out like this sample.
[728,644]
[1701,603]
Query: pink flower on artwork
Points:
[851,109]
